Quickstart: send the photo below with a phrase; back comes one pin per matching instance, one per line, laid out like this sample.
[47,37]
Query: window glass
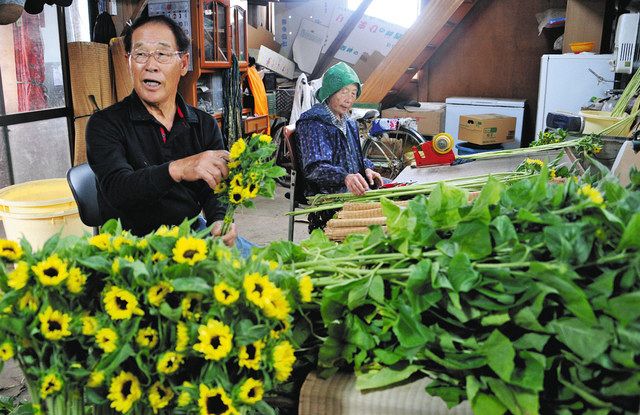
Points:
[77,22]
[31,66]
[39,150]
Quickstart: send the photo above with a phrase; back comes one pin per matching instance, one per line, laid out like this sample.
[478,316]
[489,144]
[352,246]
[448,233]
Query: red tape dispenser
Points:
[438,151]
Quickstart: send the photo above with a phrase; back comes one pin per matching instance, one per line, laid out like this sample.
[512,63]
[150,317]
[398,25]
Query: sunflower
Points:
[284,326]
[6,351]
[251,391]
[275,304]
[120,304]
[233,164]
[235,195]
[273,265]
[120,241]
[225,294]
[191,306]
[165,231]
[28,301]
[115,266]
[158,292]
[283,360]
[222,253]
[215,401]
[189,250]
[107,339]
[265,138]
[236,264]
[237,148]
[102,241]
[89,325]
[169,362]
[147,337]
[220,187]
[51,384]
[250,355]
[159,396]
[256,288]
[534,162]
[236,181]
[124,391]
[76,281]
[305,287]
[96,378]
[592,194]
[51,271]
[250,191]
[158,256]
[10,250]
[142,244]
[182,337]
[215,340]
[18,278]
[184,398]
[54,324]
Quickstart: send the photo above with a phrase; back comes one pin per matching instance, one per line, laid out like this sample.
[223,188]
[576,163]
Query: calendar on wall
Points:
[178,11]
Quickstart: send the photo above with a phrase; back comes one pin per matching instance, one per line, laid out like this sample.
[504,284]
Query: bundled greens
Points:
[524,302]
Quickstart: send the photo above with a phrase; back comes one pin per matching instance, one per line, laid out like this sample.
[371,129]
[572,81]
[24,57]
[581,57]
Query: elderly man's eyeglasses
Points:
[159,55]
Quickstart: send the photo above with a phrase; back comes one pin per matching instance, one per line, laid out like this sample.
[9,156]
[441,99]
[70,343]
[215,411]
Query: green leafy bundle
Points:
[524,302]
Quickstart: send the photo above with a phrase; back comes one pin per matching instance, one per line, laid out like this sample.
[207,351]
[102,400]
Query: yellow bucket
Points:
[596,121]
[39,209]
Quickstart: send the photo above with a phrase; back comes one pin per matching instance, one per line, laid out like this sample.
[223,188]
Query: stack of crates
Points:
[284,102]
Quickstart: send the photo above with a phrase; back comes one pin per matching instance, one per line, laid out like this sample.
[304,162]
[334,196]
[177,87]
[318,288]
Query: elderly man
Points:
[328,141]
[156,158]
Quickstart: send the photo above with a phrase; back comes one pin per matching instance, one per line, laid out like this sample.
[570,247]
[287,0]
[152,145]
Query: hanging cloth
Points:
[232,96]
[303,98]
[104,30]
[260,104]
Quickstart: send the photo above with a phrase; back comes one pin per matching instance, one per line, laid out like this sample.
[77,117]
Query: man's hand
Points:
[356,184]
[230,238]
[373,177]
[210,166]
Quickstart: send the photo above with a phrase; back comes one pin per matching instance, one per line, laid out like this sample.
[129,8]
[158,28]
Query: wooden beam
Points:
[138,10]
[344,33]
[433,18]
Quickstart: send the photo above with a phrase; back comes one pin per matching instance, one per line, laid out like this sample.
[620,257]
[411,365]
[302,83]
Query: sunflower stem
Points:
[228,220]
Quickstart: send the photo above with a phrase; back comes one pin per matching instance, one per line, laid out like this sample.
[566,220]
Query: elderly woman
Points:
[328,142]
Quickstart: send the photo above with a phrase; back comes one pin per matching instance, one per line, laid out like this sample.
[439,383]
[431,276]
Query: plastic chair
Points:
[82,182]
[298,183]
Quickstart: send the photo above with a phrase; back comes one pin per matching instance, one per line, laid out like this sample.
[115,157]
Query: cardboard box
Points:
[429,116]
[484,129]
[276,62]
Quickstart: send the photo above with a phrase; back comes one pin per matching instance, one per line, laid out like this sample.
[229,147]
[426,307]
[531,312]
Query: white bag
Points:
[303,97]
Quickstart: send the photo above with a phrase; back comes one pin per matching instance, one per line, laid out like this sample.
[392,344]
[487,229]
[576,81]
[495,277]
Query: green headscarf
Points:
[336,78]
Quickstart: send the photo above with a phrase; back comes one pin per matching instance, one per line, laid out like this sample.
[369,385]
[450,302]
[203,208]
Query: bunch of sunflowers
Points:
[170,323]
[252,173]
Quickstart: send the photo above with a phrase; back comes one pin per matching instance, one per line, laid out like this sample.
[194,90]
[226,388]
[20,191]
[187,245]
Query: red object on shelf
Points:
[430,157]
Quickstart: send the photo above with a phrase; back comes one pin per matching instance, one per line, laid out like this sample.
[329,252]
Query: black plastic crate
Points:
[284,102]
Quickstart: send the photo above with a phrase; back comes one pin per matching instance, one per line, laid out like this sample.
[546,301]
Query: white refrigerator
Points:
[569,81]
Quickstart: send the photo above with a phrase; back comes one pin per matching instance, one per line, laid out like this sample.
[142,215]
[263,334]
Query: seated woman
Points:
[329,145]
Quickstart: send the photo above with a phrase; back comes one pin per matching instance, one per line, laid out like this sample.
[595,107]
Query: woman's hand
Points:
[356,184]
[230,238]
[373,177]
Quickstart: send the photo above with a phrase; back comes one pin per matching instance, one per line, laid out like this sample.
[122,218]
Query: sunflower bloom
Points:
[283,360]
[107,339]
[28,302]
[284,326]
[96,378]
[592,194]
[233,164]
[52,271]
[256,288]
[166,231]
[265,138]
[120,241]
[250,355]
[225,294]
[191,306]
[158,256]
[534,162]
[6,351]
[222,186]
[76,281]
[89,325]
[184,398]
[182,337]
[250,191]
[251,391]
[237,148]
[147,337]
[159,396]
[142,244]
[215,401]
[50,385]
[120,304]
[189,250]
[305,287]
[158,292]
[54,324]
[102,241]
[18,278]
[236,195]
[275,304]
[169,362]
[11,250]
[124,391]
[215,340]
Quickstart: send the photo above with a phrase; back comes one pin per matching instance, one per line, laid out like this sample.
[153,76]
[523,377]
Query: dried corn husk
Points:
[357,222]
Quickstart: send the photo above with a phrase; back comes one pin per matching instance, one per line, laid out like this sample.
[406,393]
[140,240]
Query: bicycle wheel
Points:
[282,156]
[392,151]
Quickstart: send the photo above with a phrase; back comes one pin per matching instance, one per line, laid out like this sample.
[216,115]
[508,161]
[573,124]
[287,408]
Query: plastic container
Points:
[39,209]
[578,47]
[465,149]
[596,121]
